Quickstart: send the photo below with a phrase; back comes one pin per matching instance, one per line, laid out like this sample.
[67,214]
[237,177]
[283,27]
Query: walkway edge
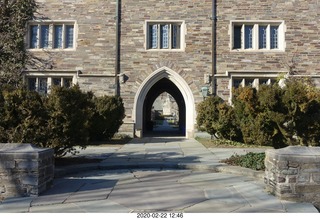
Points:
[64,171]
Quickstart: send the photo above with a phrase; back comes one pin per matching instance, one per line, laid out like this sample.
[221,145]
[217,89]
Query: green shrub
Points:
[227,127]
[279,116]
[107,118]
[208,114]
[70,111]
[23,117]
[250,160]
[66,117]
[245,102]
[302,118]
[217,118]
[271,116]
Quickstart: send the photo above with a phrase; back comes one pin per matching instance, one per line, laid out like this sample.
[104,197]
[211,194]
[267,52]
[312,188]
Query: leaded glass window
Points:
[33,36]
[274,37]
[42,85]
[67,82]
[164,33]
[56,81]
[164,36]
[248,36]
[262,37]
[154,36]
[175,36]
[237,83]
[69,36]
[237,37]
[32,84]
[257,36]
[44,36]
[58,36]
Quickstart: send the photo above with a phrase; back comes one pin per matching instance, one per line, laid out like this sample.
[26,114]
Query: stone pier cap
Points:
[292,153]
[20,148]
[296,151]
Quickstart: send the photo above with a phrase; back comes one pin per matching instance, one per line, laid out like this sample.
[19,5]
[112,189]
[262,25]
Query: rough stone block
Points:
[290,171]
[24,166]
[300,167]
[316,177]
[2,189]
[307,188]
[292,180]
[304,177]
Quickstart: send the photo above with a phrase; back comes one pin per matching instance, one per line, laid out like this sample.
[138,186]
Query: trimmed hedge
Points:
[61,120]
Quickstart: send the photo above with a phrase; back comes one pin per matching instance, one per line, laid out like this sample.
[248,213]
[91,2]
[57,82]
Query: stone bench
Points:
[25,170]
[293,173]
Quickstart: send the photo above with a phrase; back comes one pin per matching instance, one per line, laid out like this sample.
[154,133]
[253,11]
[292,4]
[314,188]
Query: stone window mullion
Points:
[170,37]
[158,36]
[268,37]
[39,36]
[63,36]
[51,36]
[242,36]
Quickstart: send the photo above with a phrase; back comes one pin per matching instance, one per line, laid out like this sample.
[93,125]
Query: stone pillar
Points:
[25,170]
[293,173]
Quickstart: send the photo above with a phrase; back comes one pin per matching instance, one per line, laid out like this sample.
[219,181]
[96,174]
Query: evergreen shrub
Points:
[65,118]
[108,116]
[70,111]
[23,117]
[270,116]
[217,118]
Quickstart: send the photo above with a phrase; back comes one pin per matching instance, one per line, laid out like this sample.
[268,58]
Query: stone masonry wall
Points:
[137,63]
[95,45]
[25,170]
[94,56]
[293,173]
[302,45]
[95,50]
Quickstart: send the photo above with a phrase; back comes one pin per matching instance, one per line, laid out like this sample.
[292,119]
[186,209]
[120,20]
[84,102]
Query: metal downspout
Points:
[214,50]
[117,50]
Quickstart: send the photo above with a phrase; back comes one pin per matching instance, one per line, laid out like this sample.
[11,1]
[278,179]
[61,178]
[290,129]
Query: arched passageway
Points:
[163,85]
[164,80]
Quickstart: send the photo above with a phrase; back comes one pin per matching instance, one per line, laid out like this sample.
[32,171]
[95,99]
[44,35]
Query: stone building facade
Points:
[140,49]
[298,46]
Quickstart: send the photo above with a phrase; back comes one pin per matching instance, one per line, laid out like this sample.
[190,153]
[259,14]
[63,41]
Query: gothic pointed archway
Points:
[162,86]
[164,80]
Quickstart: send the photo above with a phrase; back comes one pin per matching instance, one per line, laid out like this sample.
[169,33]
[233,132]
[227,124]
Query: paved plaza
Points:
[156,174]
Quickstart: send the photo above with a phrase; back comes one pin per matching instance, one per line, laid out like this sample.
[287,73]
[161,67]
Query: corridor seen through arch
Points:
[151,128]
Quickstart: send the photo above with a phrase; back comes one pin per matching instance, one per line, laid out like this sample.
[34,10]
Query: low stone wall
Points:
[293,173]
[25,170]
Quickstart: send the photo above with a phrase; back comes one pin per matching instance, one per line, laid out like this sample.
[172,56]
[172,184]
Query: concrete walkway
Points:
[169,174]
